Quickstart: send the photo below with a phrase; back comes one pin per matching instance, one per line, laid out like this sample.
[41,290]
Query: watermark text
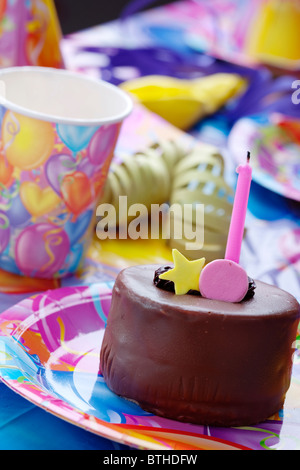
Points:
[163,221]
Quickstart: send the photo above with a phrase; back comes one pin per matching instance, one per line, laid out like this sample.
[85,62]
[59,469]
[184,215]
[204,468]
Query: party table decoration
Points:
[277,33]
[29,34]
[249,32]
[144,177]
[275,151]
[169,172]
[199,179]
[184,102]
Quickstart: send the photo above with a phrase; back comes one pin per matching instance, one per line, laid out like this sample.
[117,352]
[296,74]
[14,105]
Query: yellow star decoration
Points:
[185,273]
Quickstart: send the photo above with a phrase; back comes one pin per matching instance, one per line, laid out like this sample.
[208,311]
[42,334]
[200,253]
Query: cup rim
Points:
[61,120]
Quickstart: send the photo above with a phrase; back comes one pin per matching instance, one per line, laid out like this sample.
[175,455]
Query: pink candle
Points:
[236,229]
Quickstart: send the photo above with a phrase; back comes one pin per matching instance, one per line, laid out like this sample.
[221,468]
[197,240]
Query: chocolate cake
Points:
[198,360]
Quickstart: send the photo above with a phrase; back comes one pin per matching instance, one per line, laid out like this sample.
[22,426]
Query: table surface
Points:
[271,248]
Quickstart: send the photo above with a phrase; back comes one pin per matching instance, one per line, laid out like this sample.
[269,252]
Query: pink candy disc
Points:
[225,280]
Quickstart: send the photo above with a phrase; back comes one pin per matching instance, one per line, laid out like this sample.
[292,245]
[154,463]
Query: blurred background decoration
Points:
[30,33]
[274,33]
[181,102]
[248,32]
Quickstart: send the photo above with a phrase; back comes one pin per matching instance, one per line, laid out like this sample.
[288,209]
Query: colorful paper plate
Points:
[275,151]
[49,354]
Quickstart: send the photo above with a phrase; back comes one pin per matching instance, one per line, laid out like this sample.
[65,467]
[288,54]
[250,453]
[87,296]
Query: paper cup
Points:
[58,133]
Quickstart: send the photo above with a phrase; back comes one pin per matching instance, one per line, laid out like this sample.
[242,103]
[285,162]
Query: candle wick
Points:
[248,157]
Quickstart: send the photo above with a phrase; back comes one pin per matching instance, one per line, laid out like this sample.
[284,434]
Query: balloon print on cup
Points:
[41,250]
[57,166]
[17,213]
[102,144]
[4,231]
[27,142]
[76,138]
[52,166]
[6,171]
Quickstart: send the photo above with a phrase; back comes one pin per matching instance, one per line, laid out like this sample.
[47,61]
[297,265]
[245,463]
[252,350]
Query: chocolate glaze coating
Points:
[198,360]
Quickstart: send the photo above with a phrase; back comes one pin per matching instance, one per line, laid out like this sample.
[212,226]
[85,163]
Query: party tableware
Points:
[49,354]
[275,151]
[58,133]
